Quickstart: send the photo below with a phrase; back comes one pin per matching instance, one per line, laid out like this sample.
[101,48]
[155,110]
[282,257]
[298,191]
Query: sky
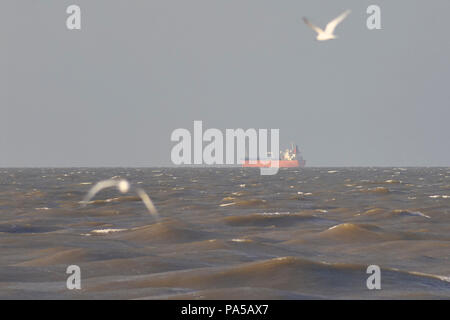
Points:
[112,93]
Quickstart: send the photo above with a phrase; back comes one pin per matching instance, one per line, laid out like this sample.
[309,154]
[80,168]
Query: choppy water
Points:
[227,233]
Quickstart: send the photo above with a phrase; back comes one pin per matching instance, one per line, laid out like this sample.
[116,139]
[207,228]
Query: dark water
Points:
[227,233]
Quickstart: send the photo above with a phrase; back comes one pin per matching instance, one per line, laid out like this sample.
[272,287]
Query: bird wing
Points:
[315,28]
[148,202]
[95,189]
[333,23]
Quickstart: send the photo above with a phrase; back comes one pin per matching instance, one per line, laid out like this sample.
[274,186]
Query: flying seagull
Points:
[123,186]
[327,34]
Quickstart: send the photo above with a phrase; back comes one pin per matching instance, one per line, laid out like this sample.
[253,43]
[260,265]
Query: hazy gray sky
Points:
[113,92]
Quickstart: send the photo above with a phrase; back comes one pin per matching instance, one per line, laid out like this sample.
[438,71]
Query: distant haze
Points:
[111,93]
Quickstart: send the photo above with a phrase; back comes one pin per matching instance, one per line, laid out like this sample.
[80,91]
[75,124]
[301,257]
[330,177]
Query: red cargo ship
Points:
[290,158]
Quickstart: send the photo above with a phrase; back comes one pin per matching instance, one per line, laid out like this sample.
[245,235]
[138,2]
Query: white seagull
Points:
[327,34]
[123,186]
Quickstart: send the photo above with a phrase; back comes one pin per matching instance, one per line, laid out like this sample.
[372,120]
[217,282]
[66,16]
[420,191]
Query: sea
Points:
[226,233]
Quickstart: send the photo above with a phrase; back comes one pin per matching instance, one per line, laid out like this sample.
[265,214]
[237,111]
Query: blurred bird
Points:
[327,34]
[123,186]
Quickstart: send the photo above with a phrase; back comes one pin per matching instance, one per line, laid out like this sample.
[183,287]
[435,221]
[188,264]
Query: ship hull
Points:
[274,163]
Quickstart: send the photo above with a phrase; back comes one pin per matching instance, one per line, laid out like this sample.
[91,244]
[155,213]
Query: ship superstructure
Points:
[289,158]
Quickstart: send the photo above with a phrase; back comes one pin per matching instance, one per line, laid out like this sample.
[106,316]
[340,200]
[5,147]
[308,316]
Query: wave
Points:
[295,275]
[26,228]
[117,199]
[59,256]
[377,190]
[349,232]
[264,219]
[168,231]
[238,293]
[383,213]
[246,203]
[410,213]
